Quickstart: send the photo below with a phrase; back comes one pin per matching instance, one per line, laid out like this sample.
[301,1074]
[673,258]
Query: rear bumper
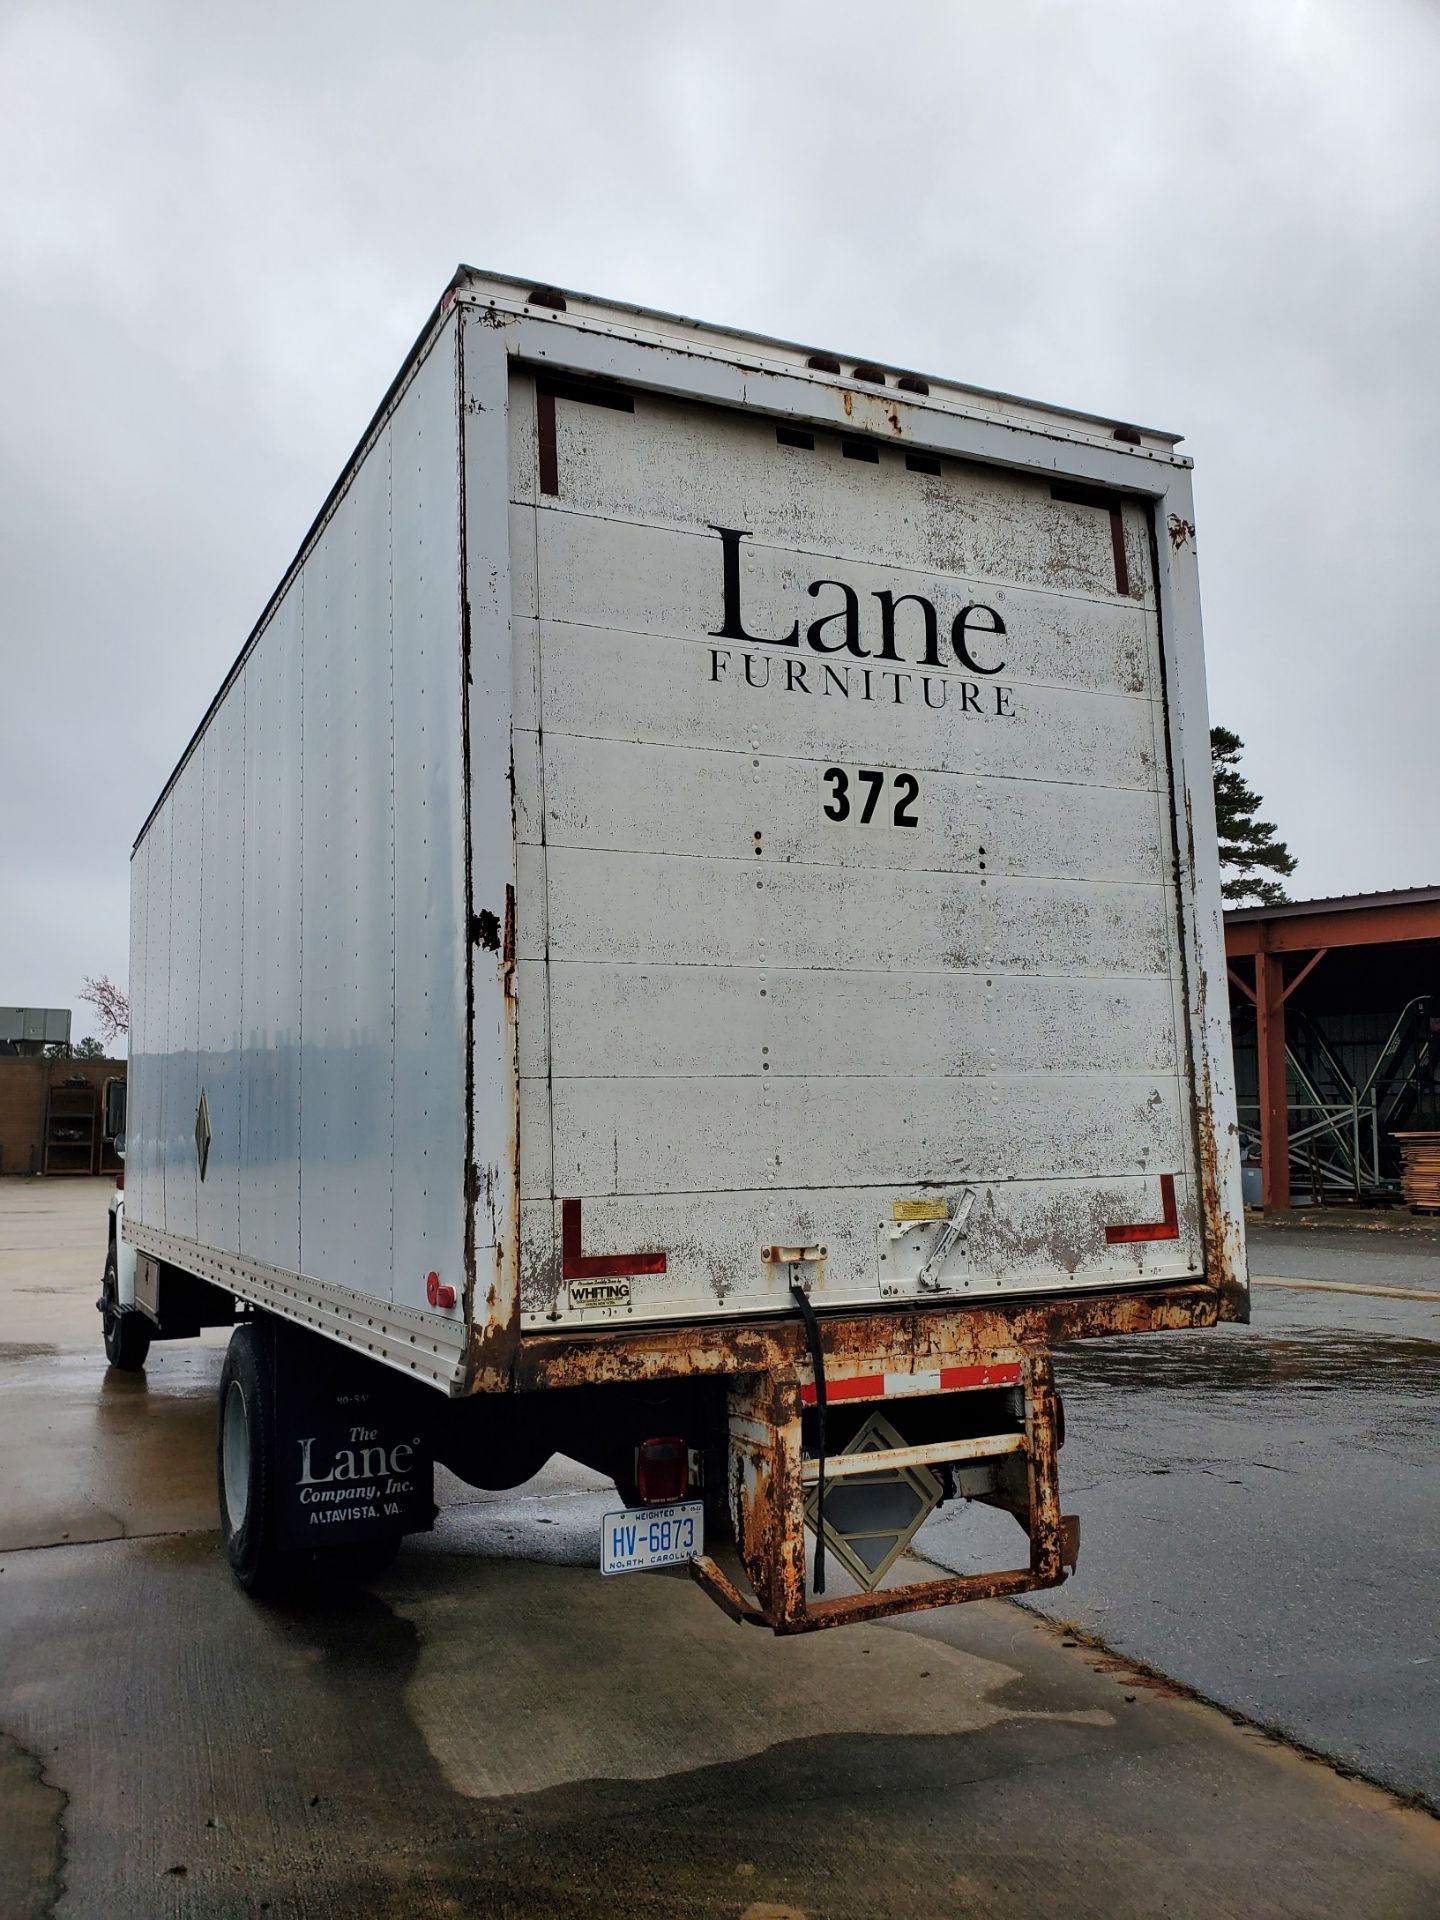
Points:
[769,1380]
[905,1340]
[771,1476]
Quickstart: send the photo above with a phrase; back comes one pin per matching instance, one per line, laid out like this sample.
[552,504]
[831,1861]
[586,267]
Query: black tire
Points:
[127,1335]
[244,1465]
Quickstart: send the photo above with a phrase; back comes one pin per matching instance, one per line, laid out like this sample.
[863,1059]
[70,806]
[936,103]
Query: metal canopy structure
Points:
[1320,1116]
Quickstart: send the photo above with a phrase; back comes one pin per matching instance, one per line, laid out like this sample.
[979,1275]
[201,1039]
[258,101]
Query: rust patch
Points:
[493,1343]
[1181,532]
[768,1495]
[920,1337]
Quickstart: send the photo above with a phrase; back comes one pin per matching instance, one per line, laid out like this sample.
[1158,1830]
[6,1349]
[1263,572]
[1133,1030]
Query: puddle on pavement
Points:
[286,1764]
[1240,1360]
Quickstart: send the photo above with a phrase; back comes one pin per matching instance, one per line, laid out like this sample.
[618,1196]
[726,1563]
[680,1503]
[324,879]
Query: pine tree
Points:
[1245,842]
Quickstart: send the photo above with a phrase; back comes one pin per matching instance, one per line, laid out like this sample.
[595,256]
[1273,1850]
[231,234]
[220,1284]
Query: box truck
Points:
[689,938]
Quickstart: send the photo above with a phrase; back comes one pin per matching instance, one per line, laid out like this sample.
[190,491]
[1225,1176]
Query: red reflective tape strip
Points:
[883,1386]
[575,1265]
[861,1386]
[1004,1373]
[1166,1229]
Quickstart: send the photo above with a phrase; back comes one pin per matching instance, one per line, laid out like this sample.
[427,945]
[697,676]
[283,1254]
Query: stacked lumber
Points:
[1420,1170]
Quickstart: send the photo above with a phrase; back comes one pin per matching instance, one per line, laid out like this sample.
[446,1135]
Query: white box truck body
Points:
[700,827]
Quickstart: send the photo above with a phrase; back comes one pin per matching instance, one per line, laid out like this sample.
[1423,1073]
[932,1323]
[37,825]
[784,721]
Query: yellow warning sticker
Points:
[920,1210]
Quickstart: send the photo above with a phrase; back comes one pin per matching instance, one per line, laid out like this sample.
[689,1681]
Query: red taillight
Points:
[662,1470]
[437,1293]
[120,1181]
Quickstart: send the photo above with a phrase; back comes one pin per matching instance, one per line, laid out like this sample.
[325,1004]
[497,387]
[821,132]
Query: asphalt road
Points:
[1260,1506]
[491,1729]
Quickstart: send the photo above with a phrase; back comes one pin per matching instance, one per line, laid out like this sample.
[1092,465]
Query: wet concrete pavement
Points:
[491,1729]
[1260,1507]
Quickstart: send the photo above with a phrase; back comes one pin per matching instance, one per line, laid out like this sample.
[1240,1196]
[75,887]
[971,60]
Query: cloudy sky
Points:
[222,226]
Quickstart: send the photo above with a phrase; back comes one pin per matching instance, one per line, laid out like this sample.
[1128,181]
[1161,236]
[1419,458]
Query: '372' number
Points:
[857,790]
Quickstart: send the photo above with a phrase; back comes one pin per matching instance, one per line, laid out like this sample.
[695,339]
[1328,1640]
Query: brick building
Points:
[53,1115]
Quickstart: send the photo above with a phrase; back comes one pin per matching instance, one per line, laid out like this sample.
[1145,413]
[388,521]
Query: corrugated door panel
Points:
[971,521]
[658,1022]
[845,868]
[812,707]
[698,1135]
[650,798]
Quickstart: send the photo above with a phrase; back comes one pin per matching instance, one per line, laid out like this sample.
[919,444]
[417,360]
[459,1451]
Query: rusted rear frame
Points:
[767,1496]
[767,1365]
[894,1338]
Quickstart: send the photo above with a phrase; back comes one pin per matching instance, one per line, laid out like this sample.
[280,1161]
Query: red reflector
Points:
[662,1470]
[437,1293]
[120,1182]
[1167,1228]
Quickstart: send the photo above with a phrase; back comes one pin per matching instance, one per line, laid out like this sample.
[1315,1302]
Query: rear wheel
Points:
[243,1459]
[127,1335]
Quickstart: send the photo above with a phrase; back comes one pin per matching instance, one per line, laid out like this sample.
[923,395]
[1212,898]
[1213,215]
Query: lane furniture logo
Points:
[365,1480]
[353,1469]
[975,644]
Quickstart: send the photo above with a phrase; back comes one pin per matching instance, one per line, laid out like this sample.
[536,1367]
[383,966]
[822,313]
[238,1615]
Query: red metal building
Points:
[1336,1043]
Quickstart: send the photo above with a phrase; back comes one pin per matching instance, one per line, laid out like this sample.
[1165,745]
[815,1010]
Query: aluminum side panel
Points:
[182,1067]
[222,901]
[269,881]
[271,1067]
[429,867]
[152,1076]
[347,947]
[136,1156]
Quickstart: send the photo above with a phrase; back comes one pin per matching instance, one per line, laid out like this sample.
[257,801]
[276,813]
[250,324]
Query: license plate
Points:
[651,1537]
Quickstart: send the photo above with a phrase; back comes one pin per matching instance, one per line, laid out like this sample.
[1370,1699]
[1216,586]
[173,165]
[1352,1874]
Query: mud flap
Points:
[353,1455]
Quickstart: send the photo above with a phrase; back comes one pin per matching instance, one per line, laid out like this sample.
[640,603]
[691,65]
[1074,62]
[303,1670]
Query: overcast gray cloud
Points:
[221,227]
